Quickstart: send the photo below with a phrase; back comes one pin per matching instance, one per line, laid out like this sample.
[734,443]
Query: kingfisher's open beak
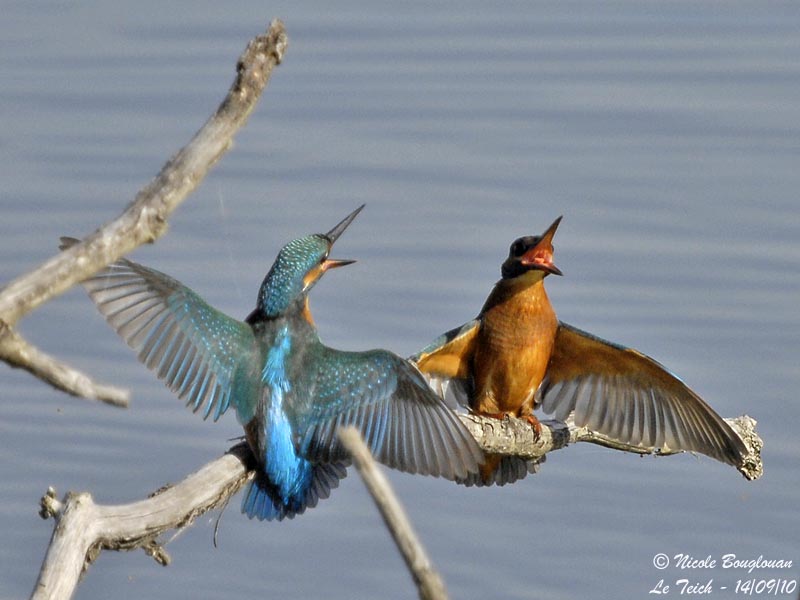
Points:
[541,255]
[334,233]
[335,263]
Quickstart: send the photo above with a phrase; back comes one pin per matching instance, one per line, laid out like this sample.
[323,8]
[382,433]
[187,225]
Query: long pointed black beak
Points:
[551,231]
[334,233]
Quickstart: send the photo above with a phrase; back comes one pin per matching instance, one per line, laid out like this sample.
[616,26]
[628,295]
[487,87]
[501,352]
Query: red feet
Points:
[537,427]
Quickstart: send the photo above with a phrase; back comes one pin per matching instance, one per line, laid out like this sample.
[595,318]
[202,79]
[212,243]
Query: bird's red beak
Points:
[541,255]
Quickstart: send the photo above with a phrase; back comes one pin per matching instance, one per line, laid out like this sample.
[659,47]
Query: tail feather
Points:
[262,499]
[500,470]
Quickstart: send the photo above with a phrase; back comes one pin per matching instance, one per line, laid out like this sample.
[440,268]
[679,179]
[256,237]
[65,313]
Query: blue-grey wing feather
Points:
[404,424]
[630,397]
[199,352]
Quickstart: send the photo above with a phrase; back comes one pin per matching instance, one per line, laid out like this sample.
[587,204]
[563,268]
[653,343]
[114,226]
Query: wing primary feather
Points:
[199,377]
[609,401]
[380,433]
[699,437]
[647,416]
[424,449]
[652,421]
[165,344]
[140,326]
[223,405]
[625,430]
[367,425]
[170,352]
[560,398]
[129,325]
[193,363]
[458,436]
[438,458]
[608,397]
[616,408]
[670,428]
[396,435]
[414,455]
[687,429]
[153,338]
[130,303]
[591,405]
[199,394]
[641,417]
[209,397]
[409,435]
[565,407]
[436,449]
[661,419]
[178,363]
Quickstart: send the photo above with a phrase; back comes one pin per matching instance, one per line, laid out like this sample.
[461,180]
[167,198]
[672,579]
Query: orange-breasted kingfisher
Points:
[516,356]
[289,390]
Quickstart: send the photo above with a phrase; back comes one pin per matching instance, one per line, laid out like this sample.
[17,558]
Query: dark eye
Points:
[518,248]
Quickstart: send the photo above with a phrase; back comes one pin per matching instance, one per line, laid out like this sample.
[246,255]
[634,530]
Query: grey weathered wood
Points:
[83,528]
[144,220]
[429,582]
[515,437]
[20,353]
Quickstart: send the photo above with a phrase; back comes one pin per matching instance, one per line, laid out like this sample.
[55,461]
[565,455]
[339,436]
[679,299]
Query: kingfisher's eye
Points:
[518,248]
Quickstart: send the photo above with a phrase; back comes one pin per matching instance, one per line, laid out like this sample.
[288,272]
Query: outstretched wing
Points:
[404,424]
[629,397]
[203,355]
[449,355]
[446,364]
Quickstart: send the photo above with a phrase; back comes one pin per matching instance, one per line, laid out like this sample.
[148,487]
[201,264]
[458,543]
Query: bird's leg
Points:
[537,427]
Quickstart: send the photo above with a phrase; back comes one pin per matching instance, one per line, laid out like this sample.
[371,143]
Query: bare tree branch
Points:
[19,353]
[144,220]
[83,528]
[515,437]
[429,583]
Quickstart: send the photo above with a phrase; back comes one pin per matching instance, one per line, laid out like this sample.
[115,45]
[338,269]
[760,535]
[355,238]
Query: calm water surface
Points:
[666,134]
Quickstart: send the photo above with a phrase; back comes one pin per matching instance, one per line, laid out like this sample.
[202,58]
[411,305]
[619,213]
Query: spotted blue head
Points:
[299,265]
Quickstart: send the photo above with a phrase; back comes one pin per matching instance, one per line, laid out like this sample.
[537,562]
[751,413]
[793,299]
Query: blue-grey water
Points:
[667,134]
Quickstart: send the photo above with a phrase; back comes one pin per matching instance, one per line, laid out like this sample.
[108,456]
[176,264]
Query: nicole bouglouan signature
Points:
[740,575]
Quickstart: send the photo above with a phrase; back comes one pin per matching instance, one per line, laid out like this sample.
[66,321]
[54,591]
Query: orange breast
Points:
[513,349]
